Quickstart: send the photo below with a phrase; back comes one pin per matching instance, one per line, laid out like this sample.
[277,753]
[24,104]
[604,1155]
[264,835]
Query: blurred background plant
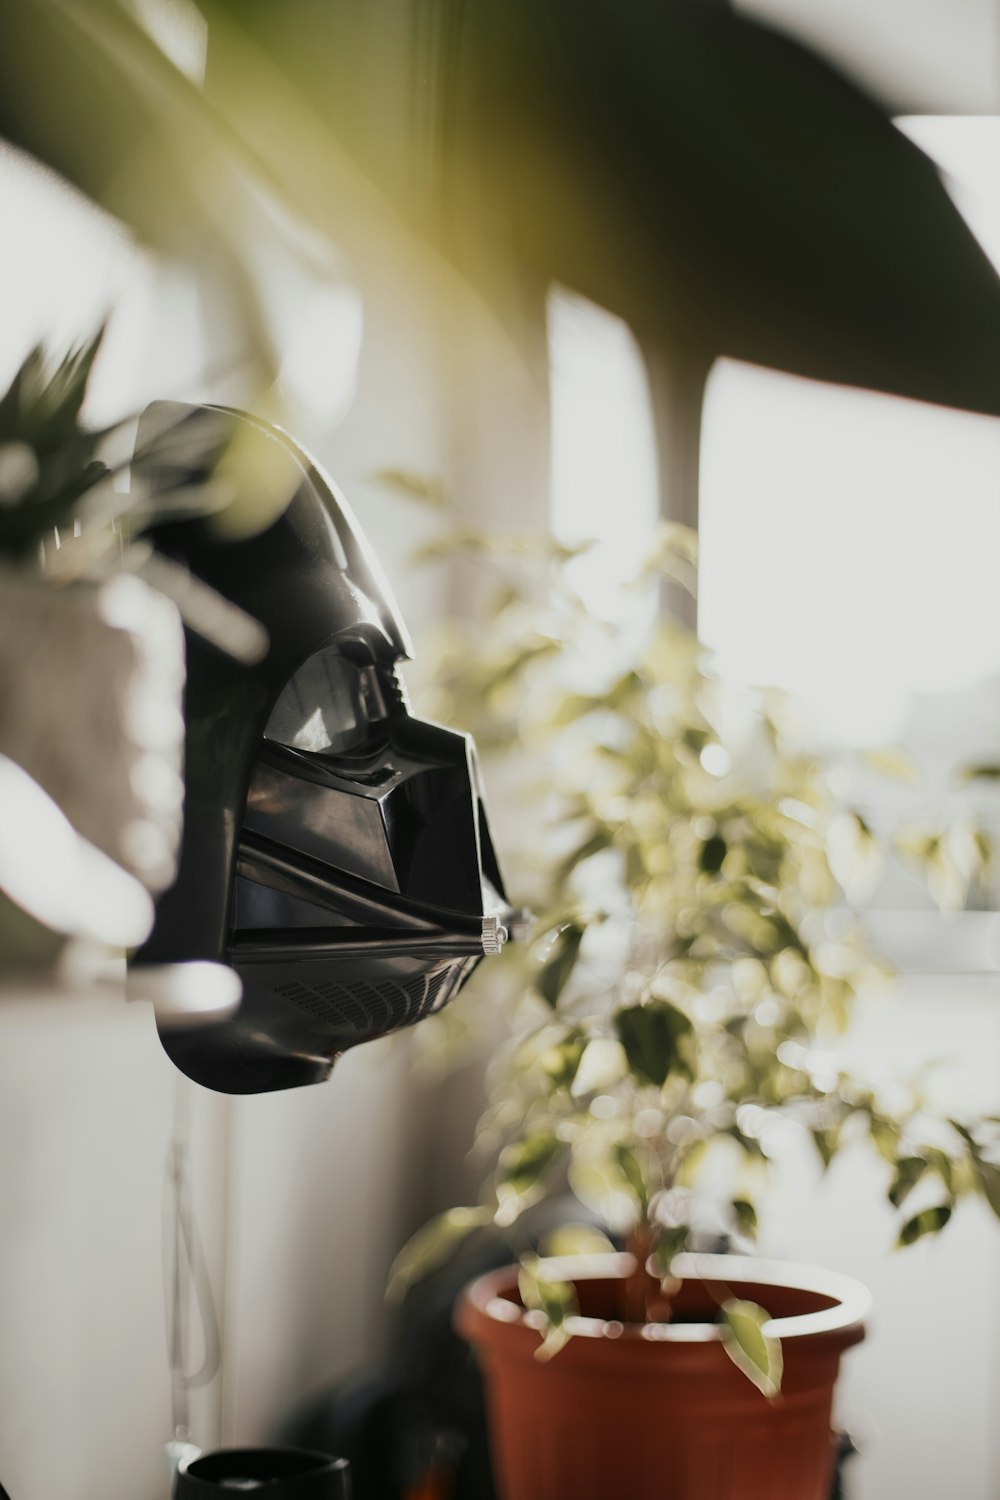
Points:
[699,948]
[91,668]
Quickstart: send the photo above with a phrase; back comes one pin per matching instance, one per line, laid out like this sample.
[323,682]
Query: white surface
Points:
[920,1394]
[85,1107]
[847,545]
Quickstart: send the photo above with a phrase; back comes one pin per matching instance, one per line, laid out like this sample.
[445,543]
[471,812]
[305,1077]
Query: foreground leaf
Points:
[753,1351]
[430,1247]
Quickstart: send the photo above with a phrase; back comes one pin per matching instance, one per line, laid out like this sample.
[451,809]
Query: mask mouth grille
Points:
[372,1008]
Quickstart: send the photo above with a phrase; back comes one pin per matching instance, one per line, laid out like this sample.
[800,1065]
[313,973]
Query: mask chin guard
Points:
[337,852]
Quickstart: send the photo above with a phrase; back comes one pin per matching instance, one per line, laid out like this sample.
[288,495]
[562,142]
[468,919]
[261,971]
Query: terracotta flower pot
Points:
[659,1410]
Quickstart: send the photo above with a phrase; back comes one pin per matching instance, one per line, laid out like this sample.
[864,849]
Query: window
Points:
[848,554]
[605,484]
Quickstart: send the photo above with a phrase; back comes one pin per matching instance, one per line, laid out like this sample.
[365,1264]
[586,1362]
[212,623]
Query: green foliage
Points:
[751,1349]
[555,972]
[524,1162]
[47,457]
[657,1038]
[555,1301]
[692,866]
[928,1221]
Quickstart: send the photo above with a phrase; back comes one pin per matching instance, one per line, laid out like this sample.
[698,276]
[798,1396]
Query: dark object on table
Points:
[276,1473]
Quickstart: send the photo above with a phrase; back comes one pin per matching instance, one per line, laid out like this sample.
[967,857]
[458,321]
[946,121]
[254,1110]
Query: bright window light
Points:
[66,267]
[849,540]
[849,545]
[605,483]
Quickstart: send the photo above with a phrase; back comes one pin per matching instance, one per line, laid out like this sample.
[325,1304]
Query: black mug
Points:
[278,1473]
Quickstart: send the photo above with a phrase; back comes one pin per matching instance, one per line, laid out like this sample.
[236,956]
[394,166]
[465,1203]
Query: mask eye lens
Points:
[328,707]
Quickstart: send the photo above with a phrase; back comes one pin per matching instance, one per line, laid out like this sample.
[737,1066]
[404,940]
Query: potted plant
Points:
[677,1011]
[91,673]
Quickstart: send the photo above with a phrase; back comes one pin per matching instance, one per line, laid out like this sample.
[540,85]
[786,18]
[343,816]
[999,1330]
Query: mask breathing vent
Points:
[370,1009]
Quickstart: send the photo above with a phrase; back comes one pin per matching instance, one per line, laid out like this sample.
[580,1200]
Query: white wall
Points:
[919,1395]
[86,1098]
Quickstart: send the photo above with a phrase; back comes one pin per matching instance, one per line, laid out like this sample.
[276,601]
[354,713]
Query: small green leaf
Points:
[827,1143]
[555,1300]
[670,1241]
[909,1170]
[658,1040]
[712,853]
[414,486]
[885,1136]
[561,1061]
[595,842]
[512,668]
[553,976]
[746,1217]
[929,1221]
[988,1175]
[431,1246]
[525,1161]
[895,761]
[753,1351]
[629,1165]
[983,772]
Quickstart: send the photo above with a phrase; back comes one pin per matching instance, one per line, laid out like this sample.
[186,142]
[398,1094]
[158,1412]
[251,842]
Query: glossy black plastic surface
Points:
[338,858]
[273,1473]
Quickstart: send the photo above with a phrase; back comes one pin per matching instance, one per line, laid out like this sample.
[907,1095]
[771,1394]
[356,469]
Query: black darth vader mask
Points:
[336,849]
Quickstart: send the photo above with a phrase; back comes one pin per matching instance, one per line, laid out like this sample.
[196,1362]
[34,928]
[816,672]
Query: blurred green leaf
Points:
[988,1175]
[928,1221]
[554,974]
[746,1217]
[598,839]
[555,1300]
[909,1170]
[417,487]
[752,1350]
[40,420]
[630,1167]
[561,1061]
[712,853]
[523,1162]
[431,1246]
[671,1240]
[576,1239]
[514,665]
[658,1039]
[897,762]
[985,771]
